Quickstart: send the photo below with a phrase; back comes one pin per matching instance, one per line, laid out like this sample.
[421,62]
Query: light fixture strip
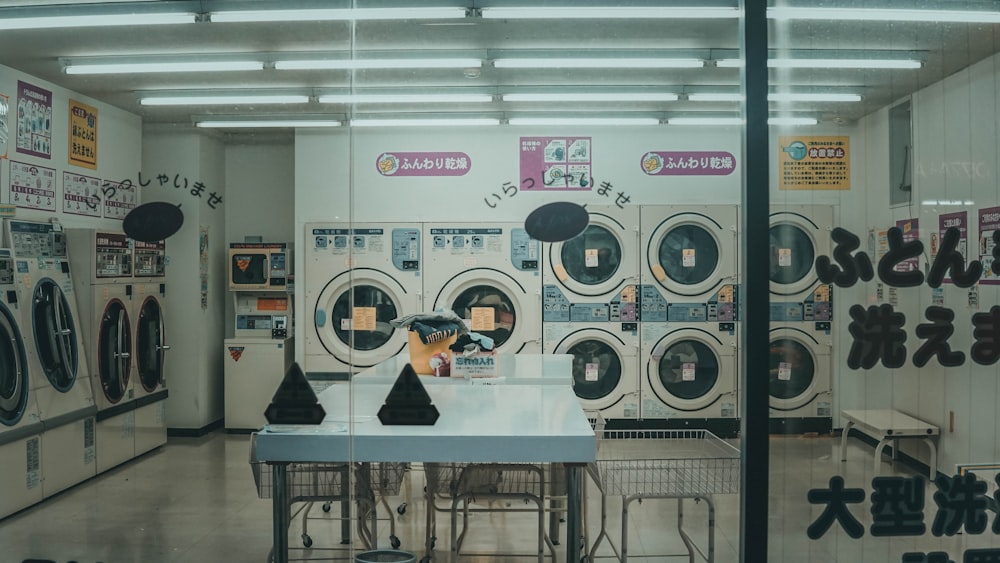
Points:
[591,97]
[338,14]
[205,100]
[608,62]
[105,20]
[268,123]
[776,97]
[424,122]
[611,12]
[369,64]
[829,63]
[563,121]
[739,121]
[404,98]
[152,67]
[883,15]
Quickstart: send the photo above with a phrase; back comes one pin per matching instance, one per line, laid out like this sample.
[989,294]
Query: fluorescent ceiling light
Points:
[814,97]
[104,20]
[828,63]
[425,122]
[876,14]
[714,97]
[341,14]
[592,97]
[205,100]
[705,121]
[365,64]
[792,121]
[609,12]
[584,121]
[608,62]
[404,98]
[193,66]
[269,123]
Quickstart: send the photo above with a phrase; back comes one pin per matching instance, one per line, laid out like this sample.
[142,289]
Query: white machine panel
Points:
[253,370]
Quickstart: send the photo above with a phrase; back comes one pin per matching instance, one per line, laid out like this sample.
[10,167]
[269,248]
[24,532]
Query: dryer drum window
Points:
[688,369]
[592,257]
[13,377]
[504,316]
[370,297]
[149,342]
[55,339]
[792,253]
[792,369]
[114,339]
[688,254]
[597,369]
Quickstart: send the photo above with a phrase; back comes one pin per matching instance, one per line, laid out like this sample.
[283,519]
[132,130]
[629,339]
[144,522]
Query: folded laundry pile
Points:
[472,343]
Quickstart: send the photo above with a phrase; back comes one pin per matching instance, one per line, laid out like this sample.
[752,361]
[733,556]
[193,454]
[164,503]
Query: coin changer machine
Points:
[262,348]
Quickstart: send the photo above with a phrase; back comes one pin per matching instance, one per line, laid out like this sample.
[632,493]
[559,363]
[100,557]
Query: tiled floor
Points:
[194,501]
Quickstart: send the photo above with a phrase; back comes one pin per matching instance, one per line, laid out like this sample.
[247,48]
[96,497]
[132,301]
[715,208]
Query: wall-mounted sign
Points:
[82,135]
[688,163]
[4,131]
[814,163]
[33,187]
[911,232]
[119,199]
[989,223]
[960,221]
[34,120]
[556,163]
[423,164]
[81,194]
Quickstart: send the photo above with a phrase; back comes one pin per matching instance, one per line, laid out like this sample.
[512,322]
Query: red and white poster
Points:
[989,222]
[33,187]
[556,163]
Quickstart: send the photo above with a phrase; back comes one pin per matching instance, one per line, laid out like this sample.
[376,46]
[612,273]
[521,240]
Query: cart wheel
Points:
[394,542]
[401,509]
[426,559]
[306,540]
[326,507]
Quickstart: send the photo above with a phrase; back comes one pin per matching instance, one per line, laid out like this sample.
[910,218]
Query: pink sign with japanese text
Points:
[423,164]
[556,163]
[688,163]
[989,222]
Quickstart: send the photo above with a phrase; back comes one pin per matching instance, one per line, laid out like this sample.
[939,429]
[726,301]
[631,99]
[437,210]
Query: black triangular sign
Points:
[408,402]
[295,401]
[294,388]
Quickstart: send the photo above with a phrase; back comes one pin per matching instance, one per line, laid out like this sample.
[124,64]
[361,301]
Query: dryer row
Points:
[71,351]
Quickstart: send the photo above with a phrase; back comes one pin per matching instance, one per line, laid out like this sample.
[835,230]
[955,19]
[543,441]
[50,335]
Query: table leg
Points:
[843,440]
[279,511]
[933,460]
[878,453]
[574,487]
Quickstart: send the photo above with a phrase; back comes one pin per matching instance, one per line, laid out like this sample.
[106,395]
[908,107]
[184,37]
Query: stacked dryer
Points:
[490,276]
[590,310]
[801,315]
[689,311]
[358,277]
[149,306]
[58,369]
[20,425]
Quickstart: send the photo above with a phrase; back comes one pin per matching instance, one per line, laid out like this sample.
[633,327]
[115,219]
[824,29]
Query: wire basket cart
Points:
[663,464]
[308,483]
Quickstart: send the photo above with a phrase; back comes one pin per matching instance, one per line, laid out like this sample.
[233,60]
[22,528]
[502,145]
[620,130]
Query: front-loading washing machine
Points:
[490,276]
[605,364]
[801,385]
[597,264]
[59,365]
[358,277]
[149,330]
[797,236]
[689,252]
[20,425]
[102,263]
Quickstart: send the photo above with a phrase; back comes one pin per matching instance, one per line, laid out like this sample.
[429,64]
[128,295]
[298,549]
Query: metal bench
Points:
[887,425]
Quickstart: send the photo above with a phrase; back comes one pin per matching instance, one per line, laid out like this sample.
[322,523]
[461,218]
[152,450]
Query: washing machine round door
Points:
[114,350]
[690,369]
[690,254]
[798,369]
[594,262]
[794,245]
[495,305]
[150,344]
[352,317]
[55,334]
[13,370]
[599,367]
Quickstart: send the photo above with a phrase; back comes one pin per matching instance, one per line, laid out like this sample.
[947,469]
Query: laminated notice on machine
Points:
[784,371]
[474,366]
[687,258]
[784,257]
[591,371]
[687,371]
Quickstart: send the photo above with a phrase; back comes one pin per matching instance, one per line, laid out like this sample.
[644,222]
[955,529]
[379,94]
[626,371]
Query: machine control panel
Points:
[6,269]
[350,243]
[42,240]
[468,242]
[150,259]
[113,255]
[524,251]
[263,315]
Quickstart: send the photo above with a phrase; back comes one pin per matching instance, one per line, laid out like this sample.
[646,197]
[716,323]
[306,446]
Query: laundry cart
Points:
[331,482]
[662,464]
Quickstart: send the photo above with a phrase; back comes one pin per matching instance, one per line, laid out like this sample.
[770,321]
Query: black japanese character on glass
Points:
[996,504]
[961,501]
[936,333]
[986,555]
[604,188]
[214,199]
[851,267]
[950,260]
[510,190]
[921,557]
[897,506]
[836,499]
[141,182]
[529,181]
[622,200]
[878,335]
[162,178]
[986,332]
[899,252]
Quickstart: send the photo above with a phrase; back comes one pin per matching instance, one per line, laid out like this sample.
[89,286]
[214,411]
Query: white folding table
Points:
[478,424]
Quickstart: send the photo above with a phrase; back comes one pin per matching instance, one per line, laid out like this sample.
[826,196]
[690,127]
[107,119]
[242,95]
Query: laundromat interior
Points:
[498,280]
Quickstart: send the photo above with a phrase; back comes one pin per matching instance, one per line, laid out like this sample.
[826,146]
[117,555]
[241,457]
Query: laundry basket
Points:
[385,556]
[421,354]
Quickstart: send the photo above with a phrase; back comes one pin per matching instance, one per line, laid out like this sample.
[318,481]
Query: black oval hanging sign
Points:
[557,221]
[154,221]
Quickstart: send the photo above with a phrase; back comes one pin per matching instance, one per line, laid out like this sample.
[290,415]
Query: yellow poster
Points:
[82,135]
[814,163]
